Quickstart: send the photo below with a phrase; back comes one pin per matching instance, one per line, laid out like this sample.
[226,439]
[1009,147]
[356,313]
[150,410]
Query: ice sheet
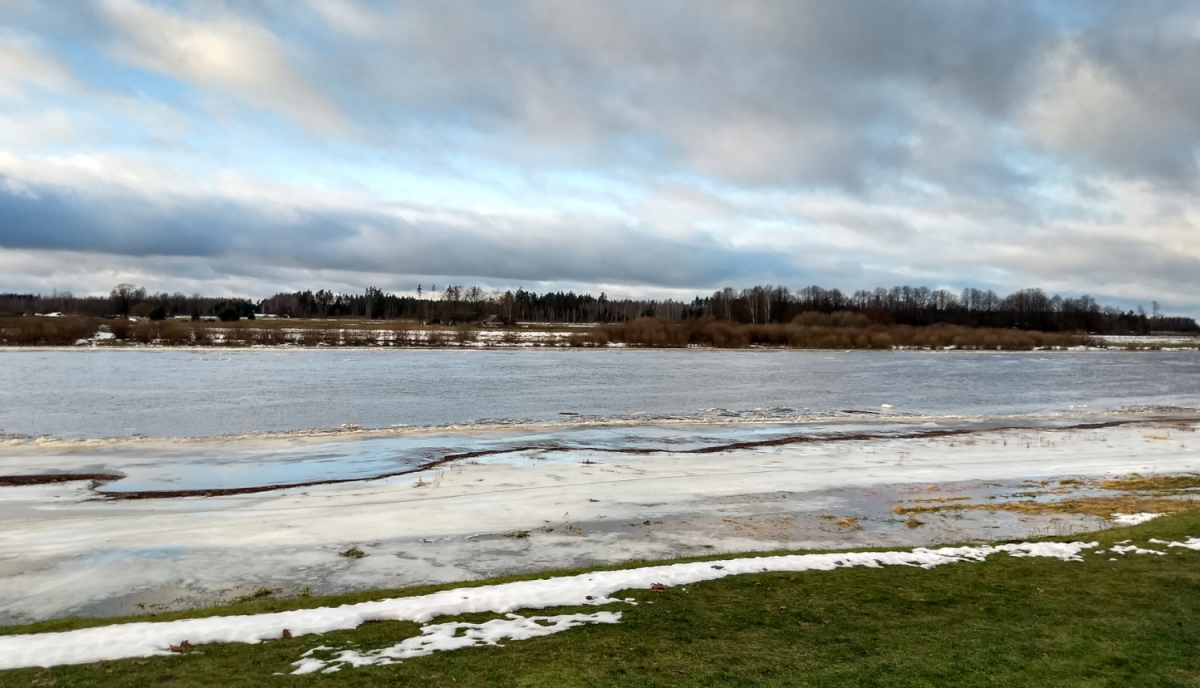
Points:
[62,553]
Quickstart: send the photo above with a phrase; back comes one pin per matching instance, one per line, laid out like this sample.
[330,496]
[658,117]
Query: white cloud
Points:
[224,52]
[349,17]
[23,65]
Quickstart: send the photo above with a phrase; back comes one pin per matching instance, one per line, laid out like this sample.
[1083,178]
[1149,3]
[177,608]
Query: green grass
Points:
[1008,621]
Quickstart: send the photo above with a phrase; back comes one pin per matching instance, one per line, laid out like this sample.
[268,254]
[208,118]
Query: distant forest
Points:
[1026,309]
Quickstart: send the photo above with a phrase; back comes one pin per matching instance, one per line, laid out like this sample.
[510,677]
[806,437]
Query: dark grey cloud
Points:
[754,92]
[379,240]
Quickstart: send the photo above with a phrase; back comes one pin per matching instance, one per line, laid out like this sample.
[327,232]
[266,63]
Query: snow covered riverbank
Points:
[63,552]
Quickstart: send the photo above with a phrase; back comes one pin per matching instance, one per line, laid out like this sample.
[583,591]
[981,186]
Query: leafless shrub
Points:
[273,336]
[171,333]
[404,336]
[35,331]
[120,328]
[236,336]
[201,335]
[145,332]
[839,330]
[358,337]
[311,337]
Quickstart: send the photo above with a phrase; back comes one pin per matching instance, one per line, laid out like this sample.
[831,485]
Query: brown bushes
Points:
[165,332]
[36,331]
[120,329]
[309,337]
[272,336]
[236,336]
[839,330]
[201,336]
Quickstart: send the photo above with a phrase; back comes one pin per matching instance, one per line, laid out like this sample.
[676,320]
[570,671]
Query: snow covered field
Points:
[63,551]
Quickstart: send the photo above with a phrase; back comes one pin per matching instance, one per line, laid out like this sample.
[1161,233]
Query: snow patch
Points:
[146,639]
[1126,549]
[1192,543]
[455,636]
[1133,519]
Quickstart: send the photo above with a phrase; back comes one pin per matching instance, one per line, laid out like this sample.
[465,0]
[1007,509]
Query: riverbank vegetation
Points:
[811,318]
[1026,309]
[807,331]
[838,330]
[1117,619]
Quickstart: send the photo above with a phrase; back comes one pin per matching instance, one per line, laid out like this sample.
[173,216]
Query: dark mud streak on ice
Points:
[24,480]
[462,456]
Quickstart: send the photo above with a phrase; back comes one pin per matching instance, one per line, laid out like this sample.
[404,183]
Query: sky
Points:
[638,147]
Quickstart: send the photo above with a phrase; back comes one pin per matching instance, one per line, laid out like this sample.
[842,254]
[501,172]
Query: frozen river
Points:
[173,393]
[186,421]
[246,478]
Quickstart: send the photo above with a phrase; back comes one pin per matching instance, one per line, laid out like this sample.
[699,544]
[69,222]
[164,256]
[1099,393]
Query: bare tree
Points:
[126,296]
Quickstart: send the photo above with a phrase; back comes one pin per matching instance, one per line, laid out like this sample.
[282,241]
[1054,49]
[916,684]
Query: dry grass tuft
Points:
[1158,483]
[1092,506]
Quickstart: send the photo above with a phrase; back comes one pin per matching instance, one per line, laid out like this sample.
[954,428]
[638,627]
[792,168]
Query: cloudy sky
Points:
[661,147]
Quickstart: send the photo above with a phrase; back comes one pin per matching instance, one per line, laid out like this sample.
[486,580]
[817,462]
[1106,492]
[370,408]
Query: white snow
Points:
[1192,543]
[1133,519]
[1126,549]
[145,639]
[454,636]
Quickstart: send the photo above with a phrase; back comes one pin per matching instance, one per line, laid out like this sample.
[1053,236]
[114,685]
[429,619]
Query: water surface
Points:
[173,393]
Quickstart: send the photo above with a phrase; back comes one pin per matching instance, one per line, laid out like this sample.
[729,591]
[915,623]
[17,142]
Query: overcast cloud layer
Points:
[662,147]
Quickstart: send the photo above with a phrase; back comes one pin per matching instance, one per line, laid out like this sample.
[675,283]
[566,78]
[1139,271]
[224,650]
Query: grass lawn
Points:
[1007,621]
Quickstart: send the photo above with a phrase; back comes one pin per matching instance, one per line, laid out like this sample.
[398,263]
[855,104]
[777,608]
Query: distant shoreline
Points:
[834,332]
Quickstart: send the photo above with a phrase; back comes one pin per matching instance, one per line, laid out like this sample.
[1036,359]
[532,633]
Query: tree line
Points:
[1025,309]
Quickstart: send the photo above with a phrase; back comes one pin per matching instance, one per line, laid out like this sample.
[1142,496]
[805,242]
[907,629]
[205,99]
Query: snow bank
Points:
[453,636]
[146,639]
[1133,519]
